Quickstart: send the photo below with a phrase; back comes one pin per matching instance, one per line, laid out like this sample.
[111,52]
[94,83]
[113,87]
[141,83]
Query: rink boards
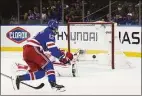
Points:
[129,37]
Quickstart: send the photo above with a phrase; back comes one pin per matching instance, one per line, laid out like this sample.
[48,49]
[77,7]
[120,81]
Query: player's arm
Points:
[56,52]
[54,49]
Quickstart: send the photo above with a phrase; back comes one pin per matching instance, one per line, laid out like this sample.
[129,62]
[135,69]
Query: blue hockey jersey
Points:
[46,40]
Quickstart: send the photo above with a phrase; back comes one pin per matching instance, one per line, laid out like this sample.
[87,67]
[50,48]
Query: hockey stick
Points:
[35,87]
[74,65]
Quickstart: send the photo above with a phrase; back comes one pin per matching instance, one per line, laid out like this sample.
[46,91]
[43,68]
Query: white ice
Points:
[91,80]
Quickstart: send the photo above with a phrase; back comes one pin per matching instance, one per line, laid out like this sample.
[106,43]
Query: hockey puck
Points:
[94,56]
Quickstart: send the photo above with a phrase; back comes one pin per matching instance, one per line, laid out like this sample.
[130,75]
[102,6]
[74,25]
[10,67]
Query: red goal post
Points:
[112,24]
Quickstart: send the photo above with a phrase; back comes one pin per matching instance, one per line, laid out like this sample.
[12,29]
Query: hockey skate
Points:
[17,81]
[57,87]
[14,74]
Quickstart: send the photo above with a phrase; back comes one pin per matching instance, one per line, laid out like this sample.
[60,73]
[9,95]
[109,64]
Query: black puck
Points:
[94,56]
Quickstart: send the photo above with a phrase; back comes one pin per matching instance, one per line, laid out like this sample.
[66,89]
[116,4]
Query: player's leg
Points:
[48,67]
[39,60]
[29,76]
[35,72]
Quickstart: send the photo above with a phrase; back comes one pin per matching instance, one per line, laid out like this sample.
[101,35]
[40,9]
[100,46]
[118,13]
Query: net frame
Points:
[112,38]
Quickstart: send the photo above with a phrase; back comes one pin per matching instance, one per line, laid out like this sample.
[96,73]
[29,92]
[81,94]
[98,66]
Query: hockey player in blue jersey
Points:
[40,64]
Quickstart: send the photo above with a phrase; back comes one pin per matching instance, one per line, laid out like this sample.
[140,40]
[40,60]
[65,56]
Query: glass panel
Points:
[126,12]
[8,12]
[73,10]
[51,9]
[29,11]
[96,10]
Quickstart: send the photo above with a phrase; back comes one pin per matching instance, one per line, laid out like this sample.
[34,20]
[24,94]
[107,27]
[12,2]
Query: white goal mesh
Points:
[97,39]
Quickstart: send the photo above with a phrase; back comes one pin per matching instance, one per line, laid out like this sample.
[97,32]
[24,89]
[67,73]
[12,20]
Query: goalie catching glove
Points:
[66,58]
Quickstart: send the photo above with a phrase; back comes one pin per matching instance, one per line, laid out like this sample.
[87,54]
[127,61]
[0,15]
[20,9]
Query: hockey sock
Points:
[50,72]
[33,75]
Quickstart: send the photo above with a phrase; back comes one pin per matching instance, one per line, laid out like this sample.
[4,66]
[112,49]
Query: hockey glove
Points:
[66,58]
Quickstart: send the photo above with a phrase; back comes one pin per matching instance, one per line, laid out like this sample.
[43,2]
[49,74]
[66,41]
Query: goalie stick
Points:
[34,87]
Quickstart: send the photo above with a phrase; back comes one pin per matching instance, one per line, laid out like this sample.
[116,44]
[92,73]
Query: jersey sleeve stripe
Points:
[33,41]
[51,44]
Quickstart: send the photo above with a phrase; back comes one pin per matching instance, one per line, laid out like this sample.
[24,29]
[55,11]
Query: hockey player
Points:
[36,55]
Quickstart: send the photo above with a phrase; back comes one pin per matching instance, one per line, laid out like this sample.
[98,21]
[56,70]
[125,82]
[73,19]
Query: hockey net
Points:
[99,44]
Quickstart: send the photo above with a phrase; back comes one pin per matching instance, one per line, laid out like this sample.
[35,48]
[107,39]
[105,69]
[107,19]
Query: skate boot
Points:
[57,87]
[18,80]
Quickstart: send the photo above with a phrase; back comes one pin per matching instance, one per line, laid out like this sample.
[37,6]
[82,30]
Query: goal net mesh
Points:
[99,44]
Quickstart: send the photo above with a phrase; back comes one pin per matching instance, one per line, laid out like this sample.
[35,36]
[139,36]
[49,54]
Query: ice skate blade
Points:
[59,90]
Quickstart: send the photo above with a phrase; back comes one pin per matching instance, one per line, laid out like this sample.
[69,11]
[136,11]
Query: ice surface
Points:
[91,80]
